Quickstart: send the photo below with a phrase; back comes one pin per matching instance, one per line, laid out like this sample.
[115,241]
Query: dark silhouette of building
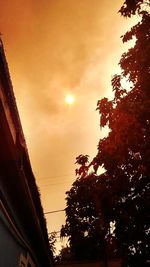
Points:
[23,233]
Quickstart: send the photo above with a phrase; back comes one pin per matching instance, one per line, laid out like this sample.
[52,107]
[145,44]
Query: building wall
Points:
[14,251]
[11,250]
[23,233]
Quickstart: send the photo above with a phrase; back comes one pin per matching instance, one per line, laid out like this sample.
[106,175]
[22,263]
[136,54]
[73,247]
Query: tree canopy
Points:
[121,194]
[86,234]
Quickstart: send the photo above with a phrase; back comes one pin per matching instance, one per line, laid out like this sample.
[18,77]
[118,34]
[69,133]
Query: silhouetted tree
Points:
[125,152]
[88,217]
[65,255]
[121,194]
[52,242]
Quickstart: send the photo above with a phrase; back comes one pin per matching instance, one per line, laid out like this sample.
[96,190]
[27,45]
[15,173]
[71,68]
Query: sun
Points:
[69,99]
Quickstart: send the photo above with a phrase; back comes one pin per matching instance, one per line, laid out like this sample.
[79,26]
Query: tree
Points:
[124,153]
[65,255]
[52,241]
[86,234]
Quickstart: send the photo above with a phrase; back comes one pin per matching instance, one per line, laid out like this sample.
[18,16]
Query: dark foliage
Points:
[122,192]
[85,225]
[52,242]
[125,153]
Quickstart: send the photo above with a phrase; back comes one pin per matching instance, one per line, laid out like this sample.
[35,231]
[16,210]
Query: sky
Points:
[55,48]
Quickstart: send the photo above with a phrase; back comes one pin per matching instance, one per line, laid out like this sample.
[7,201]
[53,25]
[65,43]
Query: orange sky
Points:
[54,47]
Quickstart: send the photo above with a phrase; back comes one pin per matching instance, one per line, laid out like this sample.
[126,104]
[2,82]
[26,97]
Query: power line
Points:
[42,182]
[54,211]
[55,184]
[55,176]
[54,232]
[57,234]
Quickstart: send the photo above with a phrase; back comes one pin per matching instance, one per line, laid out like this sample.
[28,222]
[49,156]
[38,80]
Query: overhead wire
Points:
[54,211]
[55,176]
[54,184]
[47,182]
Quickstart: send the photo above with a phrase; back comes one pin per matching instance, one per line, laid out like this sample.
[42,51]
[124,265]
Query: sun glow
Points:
[69,99]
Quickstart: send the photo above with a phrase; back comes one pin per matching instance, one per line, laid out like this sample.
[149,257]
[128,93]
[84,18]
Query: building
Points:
[23,233]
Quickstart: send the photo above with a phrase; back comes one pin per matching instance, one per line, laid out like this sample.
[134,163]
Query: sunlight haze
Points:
[51,46]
